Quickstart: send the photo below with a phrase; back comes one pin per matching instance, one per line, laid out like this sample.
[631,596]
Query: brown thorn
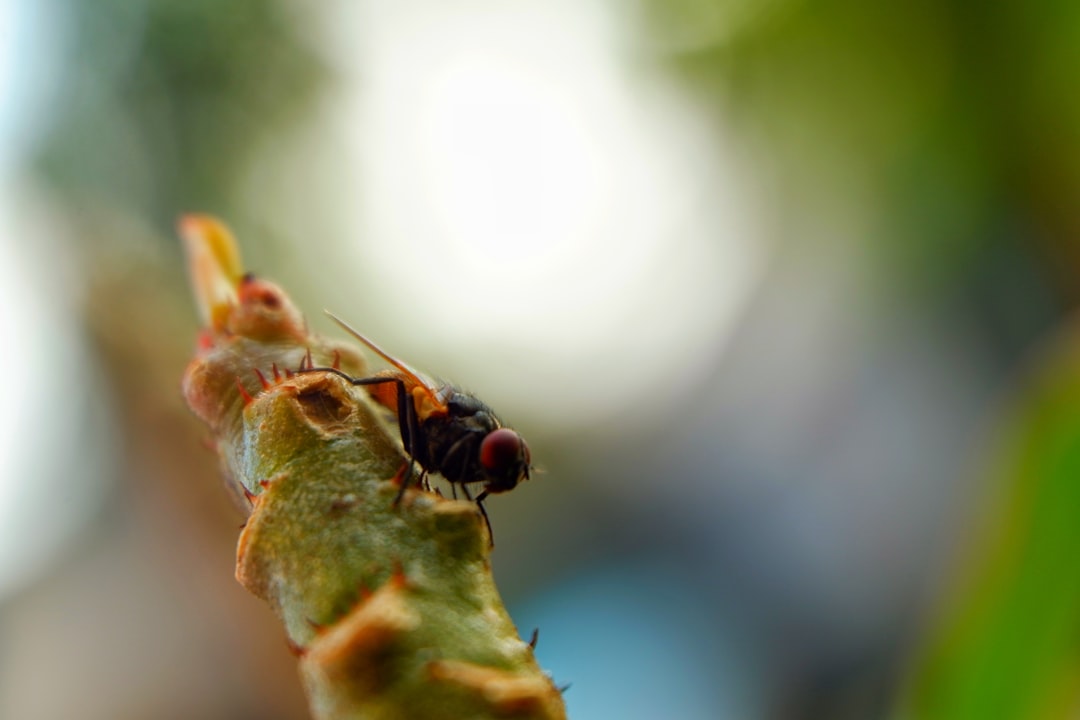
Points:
[288,373]
[295,649]
[402,478]
[262,379]
[397,577]
[319,628]
[264,484]
[563,688]
[310,360]
[249,496]
[277,375]
[244,393]
[534,638]
[365,591]
[336,364]
[399,476]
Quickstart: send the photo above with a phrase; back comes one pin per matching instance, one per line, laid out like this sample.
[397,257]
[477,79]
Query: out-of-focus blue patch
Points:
[636,641]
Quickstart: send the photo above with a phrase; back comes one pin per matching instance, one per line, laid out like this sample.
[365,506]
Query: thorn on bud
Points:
[262,379]
[397,576]
[365,592]
[534,638]
[244,393]
[336,364]
[403,471]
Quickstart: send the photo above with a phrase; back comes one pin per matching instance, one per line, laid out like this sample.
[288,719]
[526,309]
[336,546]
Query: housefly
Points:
[444,430]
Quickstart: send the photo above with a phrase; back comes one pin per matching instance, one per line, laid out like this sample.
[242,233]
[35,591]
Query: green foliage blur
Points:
[1006,642]
[955,130]
[166,102]
[958,130]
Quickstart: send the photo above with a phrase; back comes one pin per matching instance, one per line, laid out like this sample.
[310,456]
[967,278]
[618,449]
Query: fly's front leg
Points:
[409,426]
[487,521]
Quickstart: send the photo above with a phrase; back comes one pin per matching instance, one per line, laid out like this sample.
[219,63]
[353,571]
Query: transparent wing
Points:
[412,375]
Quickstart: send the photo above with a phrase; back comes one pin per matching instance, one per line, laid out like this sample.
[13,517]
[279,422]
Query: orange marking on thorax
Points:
[427,405]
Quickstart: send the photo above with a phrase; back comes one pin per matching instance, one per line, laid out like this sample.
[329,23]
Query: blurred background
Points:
[780,293]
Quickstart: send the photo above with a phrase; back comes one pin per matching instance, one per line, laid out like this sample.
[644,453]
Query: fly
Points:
[444,430]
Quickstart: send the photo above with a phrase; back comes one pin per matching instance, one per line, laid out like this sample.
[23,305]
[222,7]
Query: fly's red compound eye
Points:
[501,449]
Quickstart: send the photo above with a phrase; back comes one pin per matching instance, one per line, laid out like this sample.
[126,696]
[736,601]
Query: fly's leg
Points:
[487,521]
[456,453]
[483,512]
[409,425]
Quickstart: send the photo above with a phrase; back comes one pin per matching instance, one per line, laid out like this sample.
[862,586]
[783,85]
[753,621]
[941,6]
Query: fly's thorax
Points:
[454,438]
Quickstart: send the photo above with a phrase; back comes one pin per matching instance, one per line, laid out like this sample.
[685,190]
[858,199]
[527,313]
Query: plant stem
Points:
[392,609]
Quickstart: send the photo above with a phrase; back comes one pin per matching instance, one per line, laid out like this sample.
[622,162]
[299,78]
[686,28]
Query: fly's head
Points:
[504,459]
[488,453]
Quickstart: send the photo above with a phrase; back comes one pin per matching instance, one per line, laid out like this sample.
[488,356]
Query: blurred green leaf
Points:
[1007,645]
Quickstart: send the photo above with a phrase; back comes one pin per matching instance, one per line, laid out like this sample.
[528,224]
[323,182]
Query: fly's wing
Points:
[412,379]
[386,393]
